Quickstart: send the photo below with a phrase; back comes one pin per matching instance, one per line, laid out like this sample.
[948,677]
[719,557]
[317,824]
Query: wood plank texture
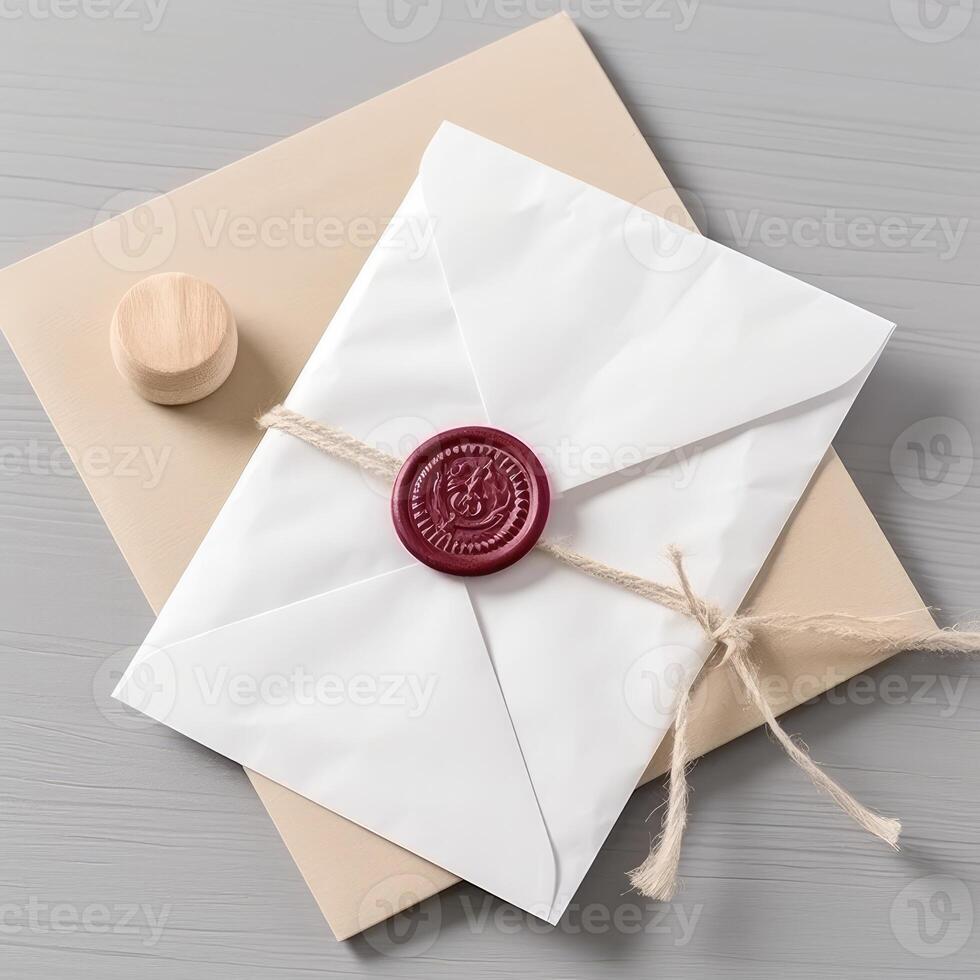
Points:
[838,140]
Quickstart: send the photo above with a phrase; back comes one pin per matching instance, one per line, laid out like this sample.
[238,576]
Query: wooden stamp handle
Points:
[173,338]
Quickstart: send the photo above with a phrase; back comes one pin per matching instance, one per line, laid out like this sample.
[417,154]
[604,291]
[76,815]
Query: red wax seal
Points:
[470,501]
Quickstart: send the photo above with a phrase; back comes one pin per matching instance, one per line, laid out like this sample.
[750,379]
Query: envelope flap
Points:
[677,338]
[348,697]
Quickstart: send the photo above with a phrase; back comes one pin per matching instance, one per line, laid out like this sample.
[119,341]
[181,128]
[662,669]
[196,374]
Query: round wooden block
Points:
[173,338]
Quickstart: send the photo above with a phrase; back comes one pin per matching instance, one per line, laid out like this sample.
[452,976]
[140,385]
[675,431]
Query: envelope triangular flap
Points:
[347,697]
[676,338]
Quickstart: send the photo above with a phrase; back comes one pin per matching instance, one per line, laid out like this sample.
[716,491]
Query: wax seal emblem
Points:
[470,501]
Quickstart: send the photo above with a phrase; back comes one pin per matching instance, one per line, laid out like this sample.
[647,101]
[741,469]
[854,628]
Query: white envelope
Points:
[677,393]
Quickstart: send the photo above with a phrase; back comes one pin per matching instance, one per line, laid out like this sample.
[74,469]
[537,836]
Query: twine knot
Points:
[731,636]
[734,638]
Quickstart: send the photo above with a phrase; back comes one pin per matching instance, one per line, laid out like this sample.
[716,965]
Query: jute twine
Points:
[732,637]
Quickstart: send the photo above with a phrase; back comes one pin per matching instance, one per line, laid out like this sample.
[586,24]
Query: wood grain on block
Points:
[173,338]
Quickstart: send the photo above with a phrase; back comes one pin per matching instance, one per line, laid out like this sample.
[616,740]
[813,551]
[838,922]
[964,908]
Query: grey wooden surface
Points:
[835,139]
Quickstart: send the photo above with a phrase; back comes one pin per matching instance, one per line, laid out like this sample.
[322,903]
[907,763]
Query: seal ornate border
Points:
[412,502]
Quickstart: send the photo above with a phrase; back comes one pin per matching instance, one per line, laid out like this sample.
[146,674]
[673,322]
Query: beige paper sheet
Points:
[539,91]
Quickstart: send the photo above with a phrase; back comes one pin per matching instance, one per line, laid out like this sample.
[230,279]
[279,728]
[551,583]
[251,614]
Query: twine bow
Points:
[731,636]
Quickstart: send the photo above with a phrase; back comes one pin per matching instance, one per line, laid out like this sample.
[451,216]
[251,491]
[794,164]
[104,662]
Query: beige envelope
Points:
[539,91]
